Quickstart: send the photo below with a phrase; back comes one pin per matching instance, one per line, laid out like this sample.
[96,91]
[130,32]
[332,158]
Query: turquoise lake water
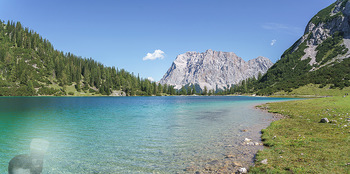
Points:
[126,134]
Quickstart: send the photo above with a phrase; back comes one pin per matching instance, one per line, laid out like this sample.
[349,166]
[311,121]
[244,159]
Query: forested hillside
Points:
[29,66]
[321,56]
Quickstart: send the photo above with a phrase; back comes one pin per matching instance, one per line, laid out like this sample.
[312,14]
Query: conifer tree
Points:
[205,90]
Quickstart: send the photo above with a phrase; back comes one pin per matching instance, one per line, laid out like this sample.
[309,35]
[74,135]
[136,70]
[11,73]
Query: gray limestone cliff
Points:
[213,69]
[329,21]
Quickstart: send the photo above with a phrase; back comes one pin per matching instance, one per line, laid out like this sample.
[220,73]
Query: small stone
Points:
[229,156]
[227,162]
[257,144]
[208,168]
[263,161]
[302,154]
[324,120]
[237,164]
[247,140]
[221,169]
[281,156]
[242,170]
[214,162]
[190,168]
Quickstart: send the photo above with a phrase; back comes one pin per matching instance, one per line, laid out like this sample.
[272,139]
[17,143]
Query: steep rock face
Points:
[321,27]
[213,69]
[331,20]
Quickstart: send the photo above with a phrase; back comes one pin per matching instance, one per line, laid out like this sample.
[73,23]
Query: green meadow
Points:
[299,143]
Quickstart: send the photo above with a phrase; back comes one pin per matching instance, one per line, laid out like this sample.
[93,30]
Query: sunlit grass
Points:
[313,90]
[300,144]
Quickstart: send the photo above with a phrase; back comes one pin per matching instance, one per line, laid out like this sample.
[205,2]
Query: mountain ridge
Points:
[318,30]
[213,69]
[320,56]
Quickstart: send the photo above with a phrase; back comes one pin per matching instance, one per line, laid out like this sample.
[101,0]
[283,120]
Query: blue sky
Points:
[121,33]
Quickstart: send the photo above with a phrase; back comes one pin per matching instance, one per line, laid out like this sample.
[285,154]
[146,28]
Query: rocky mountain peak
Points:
[213,69]
[209,51]
[331,21]
[334,18]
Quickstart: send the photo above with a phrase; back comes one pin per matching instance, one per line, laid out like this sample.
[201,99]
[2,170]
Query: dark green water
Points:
[125,134]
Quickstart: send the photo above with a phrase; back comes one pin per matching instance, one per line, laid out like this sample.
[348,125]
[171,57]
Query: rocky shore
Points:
[237,156]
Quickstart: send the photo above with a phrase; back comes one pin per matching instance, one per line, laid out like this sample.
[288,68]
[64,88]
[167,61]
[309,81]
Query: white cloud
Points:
[283,28]
[273,42]
[157,54]
[274,26]
[150,79]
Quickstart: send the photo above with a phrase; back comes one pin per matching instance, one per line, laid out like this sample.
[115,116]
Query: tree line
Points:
[29,65]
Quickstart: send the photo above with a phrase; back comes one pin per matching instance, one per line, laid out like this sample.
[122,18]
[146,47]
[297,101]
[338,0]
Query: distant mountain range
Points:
[213,69]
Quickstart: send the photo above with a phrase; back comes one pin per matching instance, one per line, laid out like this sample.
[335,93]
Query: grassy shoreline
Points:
[299,143]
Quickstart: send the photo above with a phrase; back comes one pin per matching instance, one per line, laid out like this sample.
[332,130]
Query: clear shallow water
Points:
[126,134]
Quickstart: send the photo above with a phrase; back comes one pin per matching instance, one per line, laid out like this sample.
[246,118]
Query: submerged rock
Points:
[214,162]
[237,164]
[229,156]
[190,168]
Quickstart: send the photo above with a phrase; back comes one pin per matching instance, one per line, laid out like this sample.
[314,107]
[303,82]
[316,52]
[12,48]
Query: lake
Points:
[131,134]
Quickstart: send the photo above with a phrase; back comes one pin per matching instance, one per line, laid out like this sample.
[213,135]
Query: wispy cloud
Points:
[150,79]
[273,42]
[283,28]
[157,54]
